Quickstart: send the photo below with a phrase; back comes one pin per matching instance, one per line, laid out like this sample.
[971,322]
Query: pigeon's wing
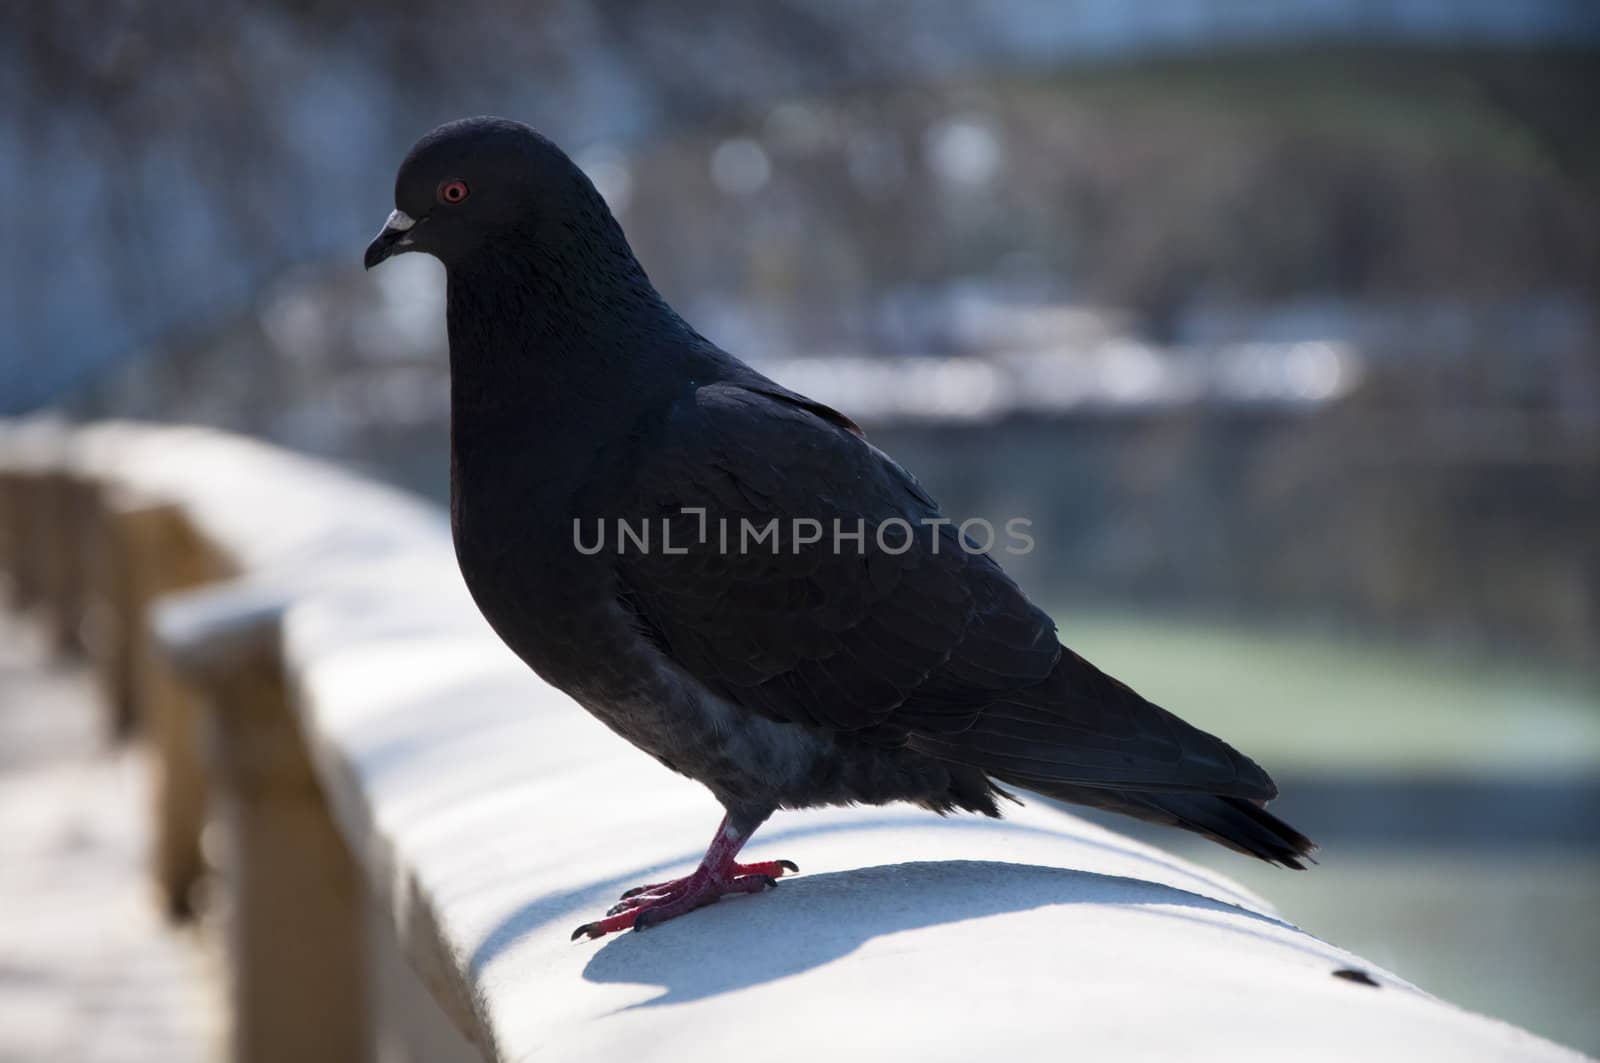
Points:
[808,578]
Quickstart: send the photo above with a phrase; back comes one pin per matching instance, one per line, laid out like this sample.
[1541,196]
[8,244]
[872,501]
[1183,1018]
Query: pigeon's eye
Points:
[453,191]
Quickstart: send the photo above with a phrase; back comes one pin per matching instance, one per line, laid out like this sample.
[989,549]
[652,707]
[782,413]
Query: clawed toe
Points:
[642,889]
[633,900]
[646,906]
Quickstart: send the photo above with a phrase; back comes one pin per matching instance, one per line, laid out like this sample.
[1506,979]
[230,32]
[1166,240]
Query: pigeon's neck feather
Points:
[522,316]
[550,353]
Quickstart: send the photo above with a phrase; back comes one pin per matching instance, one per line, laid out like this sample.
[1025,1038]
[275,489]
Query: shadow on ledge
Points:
[689,957]
[570,904]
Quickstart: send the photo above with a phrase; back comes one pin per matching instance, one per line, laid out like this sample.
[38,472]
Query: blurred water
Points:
[1457,801]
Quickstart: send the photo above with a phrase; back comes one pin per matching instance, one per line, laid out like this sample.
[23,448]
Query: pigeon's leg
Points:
[717,876]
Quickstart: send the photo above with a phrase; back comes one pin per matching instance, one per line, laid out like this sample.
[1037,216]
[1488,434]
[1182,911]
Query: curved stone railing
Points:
[414,823]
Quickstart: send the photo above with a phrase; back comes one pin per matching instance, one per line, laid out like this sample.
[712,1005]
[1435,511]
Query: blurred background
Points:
[1279,321]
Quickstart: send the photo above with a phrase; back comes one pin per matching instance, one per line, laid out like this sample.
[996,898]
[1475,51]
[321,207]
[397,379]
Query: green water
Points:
[1501,921]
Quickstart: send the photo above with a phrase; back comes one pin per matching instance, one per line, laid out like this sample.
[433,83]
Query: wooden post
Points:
[10,532]
[297,913]
[110,613]
[66,501]
[27,574]
[165,554]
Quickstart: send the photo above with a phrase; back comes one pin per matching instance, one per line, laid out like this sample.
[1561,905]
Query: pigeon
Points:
[729,574]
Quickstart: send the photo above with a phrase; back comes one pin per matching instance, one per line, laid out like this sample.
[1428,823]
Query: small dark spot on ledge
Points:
[1351,974]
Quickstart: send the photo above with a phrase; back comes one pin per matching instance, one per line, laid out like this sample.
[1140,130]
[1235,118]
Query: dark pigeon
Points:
[902,665]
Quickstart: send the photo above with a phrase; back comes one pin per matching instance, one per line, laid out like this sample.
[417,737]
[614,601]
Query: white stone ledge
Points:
[490,816]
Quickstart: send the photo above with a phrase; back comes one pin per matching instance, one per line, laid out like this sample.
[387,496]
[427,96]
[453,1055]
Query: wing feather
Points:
[933,646]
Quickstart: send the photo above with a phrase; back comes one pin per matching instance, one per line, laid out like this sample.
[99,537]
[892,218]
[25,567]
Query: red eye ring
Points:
[453,191]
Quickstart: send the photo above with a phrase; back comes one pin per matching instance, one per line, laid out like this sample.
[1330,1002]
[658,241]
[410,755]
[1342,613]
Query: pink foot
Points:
[645,906]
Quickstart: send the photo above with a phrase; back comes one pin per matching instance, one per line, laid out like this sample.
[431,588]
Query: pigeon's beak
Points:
[393,239]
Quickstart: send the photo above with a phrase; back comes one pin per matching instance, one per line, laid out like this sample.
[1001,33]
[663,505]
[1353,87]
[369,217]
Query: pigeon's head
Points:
[480,181]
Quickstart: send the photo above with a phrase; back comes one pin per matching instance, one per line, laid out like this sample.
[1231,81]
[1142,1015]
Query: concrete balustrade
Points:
[411,824]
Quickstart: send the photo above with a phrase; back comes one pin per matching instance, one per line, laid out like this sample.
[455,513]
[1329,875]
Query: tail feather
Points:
[1084,737]
[1241,825]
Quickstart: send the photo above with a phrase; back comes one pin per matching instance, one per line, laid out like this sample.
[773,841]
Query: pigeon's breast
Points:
[558,614]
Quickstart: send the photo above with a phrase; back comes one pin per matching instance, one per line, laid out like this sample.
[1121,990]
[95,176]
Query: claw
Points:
[718,875]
